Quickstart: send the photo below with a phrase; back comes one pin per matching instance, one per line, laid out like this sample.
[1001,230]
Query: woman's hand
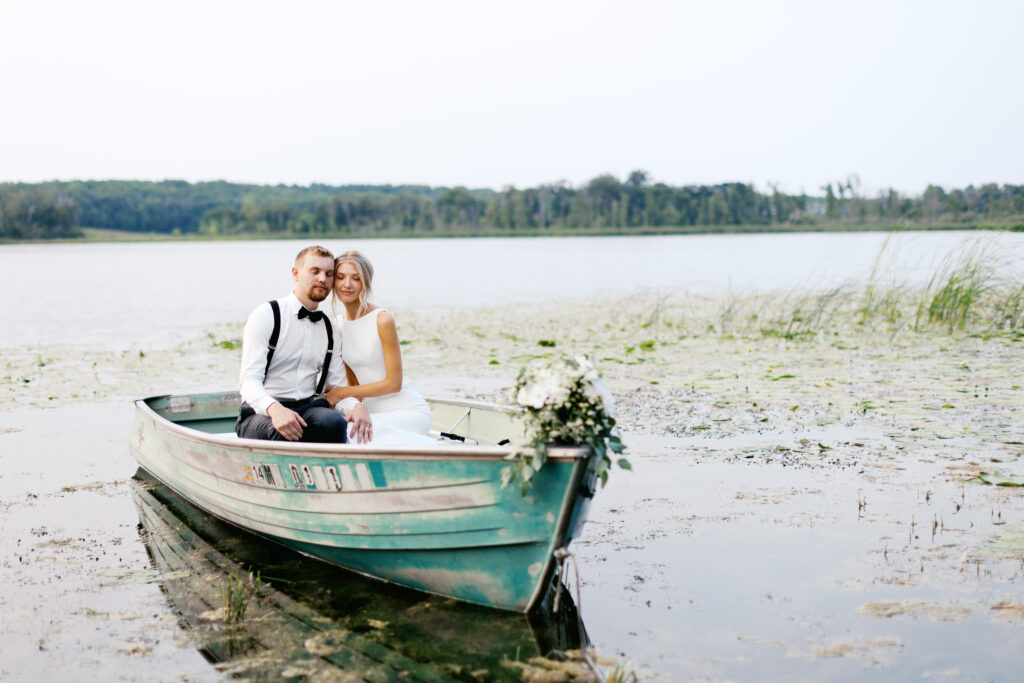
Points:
[335,394]
[361,427]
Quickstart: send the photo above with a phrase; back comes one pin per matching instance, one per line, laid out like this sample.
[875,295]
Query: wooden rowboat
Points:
[432,518]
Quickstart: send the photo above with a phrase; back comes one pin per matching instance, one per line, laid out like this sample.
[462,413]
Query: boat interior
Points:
[469,423]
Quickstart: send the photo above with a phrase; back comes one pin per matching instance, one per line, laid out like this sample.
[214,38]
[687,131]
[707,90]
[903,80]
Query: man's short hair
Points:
[315,249]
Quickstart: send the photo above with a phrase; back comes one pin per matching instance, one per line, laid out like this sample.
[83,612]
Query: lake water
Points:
[122,294]
[718,558]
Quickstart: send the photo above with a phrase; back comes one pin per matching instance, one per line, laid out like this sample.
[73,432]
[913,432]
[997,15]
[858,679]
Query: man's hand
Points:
[360,427]
[287,422]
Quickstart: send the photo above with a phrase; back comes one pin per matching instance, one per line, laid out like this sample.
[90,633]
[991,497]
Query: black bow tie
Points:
[314,316]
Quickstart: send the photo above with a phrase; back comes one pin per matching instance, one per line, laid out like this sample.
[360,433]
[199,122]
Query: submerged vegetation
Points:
[605,204]
[237,592]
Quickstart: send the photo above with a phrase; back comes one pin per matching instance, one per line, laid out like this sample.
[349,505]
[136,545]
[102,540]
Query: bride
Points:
[373,360]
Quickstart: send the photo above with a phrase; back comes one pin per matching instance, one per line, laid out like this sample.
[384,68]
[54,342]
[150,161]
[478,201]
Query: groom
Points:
[288,356]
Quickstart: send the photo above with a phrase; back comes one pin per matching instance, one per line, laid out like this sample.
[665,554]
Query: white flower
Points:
[573,387]
[588,372]
[607,400]
[530,397]
[545,388]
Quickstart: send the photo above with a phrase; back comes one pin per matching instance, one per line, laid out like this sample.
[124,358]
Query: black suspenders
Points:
[272,346]
[327,356]
[273,335]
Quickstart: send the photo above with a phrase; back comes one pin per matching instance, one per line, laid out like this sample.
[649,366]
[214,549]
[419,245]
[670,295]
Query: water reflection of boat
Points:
[310,617]
[436,518]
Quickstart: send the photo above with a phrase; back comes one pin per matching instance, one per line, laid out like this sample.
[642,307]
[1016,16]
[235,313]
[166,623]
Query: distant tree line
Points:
[36,212]
[56,209]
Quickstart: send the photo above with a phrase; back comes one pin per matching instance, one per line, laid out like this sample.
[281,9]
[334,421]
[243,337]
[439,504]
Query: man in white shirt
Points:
[281,381]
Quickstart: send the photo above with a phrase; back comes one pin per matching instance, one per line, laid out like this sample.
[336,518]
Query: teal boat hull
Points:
[434,518]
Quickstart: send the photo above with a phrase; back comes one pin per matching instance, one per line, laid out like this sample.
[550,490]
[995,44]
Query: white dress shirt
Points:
[298,360]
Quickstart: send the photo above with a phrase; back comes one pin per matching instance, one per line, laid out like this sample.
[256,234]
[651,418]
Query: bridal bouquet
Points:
[566,403]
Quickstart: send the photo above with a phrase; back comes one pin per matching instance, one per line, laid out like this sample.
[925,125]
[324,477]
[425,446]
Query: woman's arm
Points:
[392,383]
[333,394]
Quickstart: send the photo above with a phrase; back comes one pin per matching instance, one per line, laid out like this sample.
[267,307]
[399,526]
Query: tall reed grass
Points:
[976,288]
[800,315]
[236,593]
[886,288]
[965,285]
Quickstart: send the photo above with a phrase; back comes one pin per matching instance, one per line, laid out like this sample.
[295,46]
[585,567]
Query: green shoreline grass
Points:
[100,235]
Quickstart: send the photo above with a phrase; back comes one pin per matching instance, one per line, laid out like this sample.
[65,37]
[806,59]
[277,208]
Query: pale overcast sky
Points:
[489,94]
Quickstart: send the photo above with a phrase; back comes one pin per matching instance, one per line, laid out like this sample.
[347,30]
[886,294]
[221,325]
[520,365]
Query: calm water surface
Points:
[686,567]
[146,292]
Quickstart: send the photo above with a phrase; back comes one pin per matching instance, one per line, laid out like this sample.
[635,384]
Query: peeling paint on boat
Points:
[435,518]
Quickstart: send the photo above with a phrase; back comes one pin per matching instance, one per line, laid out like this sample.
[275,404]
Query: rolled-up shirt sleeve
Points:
[255,344]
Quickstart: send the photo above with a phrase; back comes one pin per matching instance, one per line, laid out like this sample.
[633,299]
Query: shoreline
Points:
[106,236]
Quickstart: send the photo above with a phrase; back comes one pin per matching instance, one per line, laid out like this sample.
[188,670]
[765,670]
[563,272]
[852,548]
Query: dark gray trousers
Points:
[323,423]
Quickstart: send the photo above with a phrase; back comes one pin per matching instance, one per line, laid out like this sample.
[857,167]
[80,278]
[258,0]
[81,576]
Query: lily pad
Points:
[1008,544]
[999,479]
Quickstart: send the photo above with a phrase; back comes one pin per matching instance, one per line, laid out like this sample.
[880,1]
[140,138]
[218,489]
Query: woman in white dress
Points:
[373,360]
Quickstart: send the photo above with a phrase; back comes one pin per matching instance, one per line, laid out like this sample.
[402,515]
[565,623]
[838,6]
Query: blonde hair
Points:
[365,270]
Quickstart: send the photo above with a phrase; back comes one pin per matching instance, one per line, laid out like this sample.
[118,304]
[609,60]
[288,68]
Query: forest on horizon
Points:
[60,209]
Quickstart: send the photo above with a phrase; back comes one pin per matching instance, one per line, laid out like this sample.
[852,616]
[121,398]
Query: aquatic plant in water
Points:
[959,286]
[237,593]
[566,403]
[976,288]
[621,672]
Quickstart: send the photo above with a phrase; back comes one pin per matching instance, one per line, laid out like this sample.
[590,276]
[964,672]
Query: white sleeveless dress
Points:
[399,419]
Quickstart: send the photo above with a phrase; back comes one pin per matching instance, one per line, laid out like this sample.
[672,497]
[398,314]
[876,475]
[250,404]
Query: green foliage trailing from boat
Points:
[566,404]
